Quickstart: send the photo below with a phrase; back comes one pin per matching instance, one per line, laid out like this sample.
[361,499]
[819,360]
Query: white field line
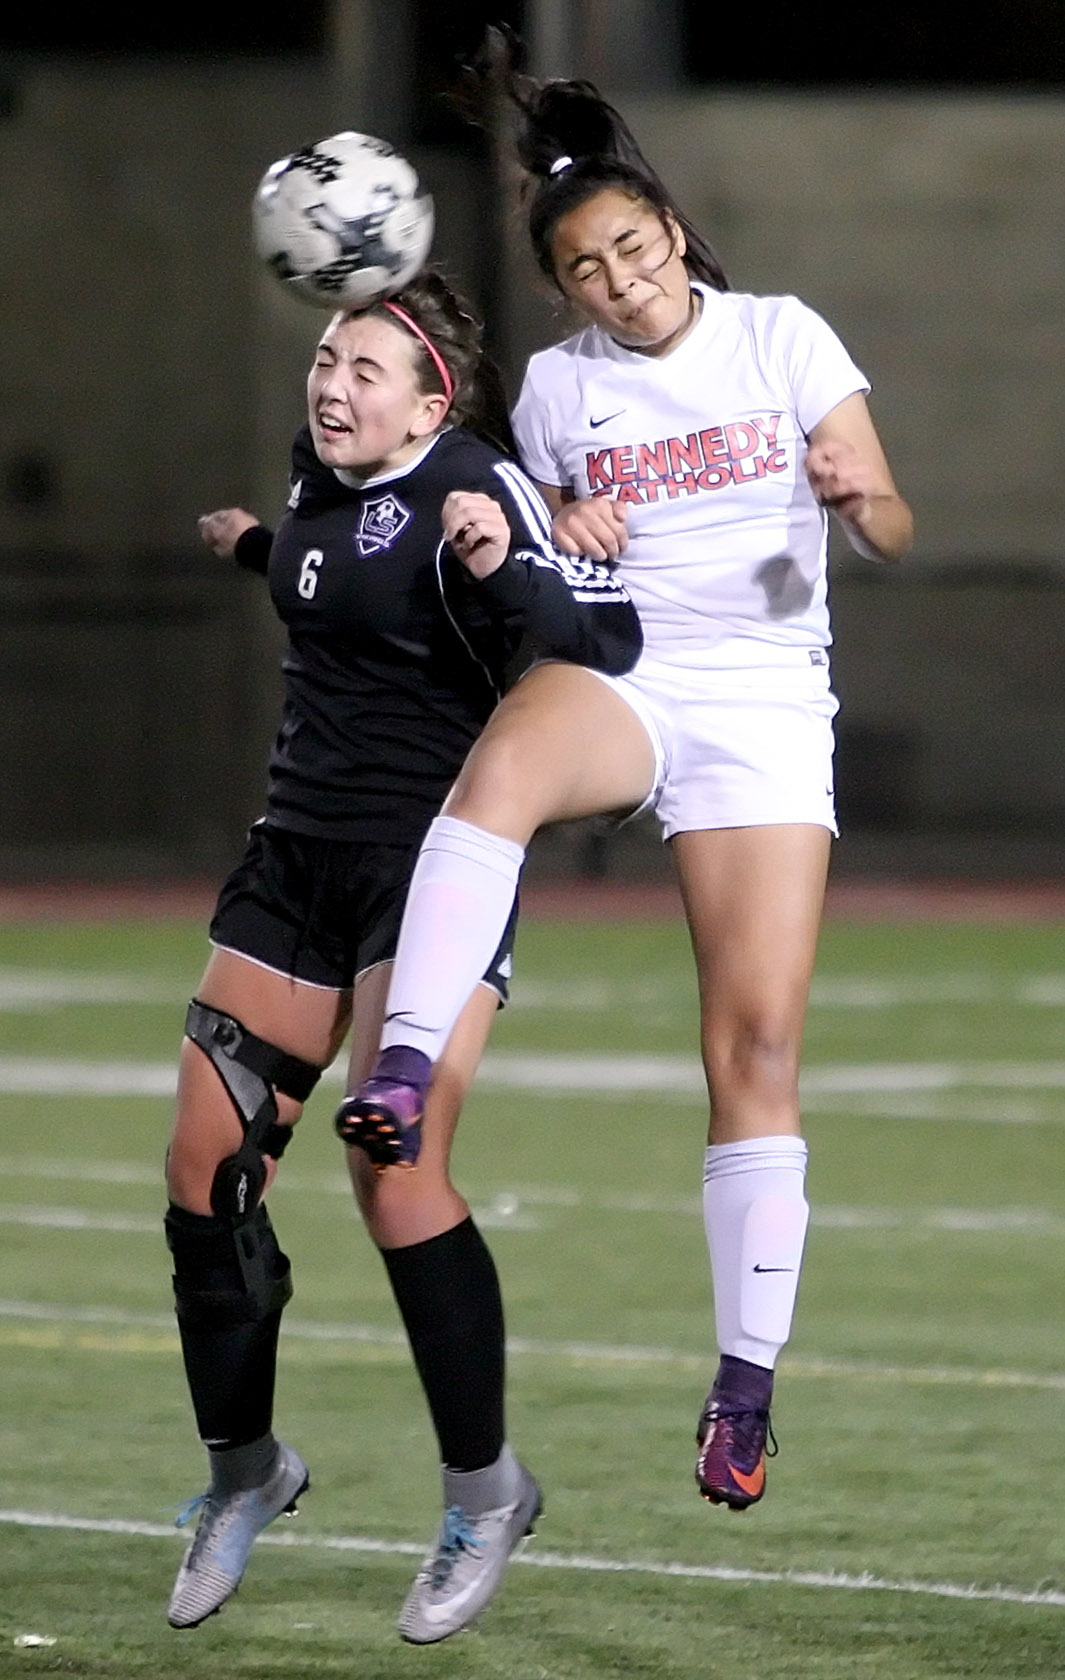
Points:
[829,1580]
[505,1209]
[592,1354]
[665,1077]
[504,1212]
[76,1219]
[25,989]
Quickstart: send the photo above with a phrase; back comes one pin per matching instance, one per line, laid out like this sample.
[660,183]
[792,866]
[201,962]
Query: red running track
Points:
[885,900]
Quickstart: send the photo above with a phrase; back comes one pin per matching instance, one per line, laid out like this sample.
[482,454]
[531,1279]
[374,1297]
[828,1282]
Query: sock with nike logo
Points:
[460,897]
[755,1213]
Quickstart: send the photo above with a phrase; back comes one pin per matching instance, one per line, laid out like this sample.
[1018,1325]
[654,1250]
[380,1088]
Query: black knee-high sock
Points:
[447,1291]
[230,1366]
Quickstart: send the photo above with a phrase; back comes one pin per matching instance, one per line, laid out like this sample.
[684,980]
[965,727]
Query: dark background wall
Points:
[899,173]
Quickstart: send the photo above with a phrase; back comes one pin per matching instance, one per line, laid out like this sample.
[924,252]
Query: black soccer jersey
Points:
[396,655]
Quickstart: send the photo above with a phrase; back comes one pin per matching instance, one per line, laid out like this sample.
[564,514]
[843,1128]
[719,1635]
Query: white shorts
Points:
[736,749]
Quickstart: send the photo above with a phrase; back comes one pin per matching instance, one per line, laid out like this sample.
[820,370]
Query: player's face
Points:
[625,271]
[366,411]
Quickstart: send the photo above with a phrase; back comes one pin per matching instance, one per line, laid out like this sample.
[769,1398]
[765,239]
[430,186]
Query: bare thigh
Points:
[561,745]
[306,1021]
[753,898]
[402,1206]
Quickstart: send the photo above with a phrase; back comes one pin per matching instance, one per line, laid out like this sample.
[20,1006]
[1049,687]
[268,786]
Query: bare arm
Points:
[554,495]
[848,471]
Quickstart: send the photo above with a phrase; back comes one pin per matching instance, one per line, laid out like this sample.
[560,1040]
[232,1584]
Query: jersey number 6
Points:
[307,582]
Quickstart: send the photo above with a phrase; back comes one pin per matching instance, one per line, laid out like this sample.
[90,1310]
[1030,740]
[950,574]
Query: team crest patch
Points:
[381,522]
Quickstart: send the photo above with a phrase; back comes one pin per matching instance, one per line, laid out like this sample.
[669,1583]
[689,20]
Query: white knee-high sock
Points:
[755,1213]
[460,896]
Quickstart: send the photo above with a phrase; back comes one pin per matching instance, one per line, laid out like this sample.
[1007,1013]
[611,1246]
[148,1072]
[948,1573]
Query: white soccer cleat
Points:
[229,1524]
[461,1573]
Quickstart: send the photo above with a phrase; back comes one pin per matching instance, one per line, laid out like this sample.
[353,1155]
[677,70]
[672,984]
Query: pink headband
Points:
[441,365]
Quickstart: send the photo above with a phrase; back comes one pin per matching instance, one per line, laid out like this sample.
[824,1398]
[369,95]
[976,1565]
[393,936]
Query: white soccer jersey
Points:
[726,561]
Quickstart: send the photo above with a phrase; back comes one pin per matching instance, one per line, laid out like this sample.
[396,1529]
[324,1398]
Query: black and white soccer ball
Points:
[344,222]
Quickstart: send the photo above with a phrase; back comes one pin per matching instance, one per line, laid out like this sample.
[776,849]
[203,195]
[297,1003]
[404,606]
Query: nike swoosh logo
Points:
[595,424]
[753,1484]
[774,1268]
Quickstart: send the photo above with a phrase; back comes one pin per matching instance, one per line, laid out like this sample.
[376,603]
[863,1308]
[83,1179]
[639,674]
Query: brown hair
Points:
[479,401]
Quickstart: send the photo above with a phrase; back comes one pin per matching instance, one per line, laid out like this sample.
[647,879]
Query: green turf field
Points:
[913,1525]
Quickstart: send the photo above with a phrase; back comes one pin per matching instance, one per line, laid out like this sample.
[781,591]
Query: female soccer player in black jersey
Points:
[413,571]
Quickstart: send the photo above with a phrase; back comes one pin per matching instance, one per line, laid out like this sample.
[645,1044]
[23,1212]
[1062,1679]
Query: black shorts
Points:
[324,911]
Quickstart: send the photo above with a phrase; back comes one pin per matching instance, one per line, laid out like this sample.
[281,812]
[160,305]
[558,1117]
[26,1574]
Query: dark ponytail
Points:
[479,402]
[573,145]
[570,119]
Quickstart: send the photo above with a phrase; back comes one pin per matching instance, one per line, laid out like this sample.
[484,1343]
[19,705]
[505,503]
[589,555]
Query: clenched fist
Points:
[841,478]
[594,527]
[477,529]
[220,530]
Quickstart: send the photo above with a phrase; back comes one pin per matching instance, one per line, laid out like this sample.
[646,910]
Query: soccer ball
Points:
[342,223]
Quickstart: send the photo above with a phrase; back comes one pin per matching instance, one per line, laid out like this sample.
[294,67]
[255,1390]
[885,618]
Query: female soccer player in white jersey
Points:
[410,566]
[698,437]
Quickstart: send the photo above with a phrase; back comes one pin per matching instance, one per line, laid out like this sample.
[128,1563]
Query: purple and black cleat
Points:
[732,1435]
[384,1116]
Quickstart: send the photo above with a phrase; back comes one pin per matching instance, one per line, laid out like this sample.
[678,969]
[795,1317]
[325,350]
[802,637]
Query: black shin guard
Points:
[228,1331]
[447,1291]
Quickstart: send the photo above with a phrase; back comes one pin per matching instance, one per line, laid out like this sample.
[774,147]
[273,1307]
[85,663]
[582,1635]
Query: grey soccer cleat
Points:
[229,1524]
[460,1575]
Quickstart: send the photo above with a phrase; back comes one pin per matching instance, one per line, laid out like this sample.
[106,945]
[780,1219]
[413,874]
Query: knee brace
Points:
[250,1069]
[226,1274]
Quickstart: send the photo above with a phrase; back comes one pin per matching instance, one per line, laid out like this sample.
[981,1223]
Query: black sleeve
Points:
[312,488]
[252,548]
[568,606]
